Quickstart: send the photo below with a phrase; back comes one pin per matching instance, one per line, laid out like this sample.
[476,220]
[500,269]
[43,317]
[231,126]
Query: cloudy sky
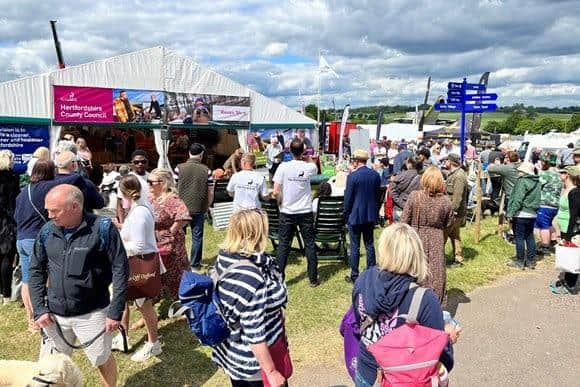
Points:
[382,50]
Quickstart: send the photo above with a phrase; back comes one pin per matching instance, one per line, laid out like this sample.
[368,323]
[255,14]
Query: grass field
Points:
[493,116]
[313,317]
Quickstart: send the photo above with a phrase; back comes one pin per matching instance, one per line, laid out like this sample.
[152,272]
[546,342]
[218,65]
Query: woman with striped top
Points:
[252,298]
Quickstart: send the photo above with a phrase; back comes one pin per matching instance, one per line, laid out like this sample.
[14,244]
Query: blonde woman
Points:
[9,189]
[384,293]
[252,298]
[138,235]
[41,153]
[429,211]
[171,216]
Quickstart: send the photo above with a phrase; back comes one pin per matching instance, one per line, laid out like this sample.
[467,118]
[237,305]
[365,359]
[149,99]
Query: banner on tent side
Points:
[141,106]
[74,104]
[23,140]
[190,109]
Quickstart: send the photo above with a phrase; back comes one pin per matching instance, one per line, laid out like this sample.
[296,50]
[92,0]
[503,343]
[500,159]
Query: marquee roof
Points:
[154,68]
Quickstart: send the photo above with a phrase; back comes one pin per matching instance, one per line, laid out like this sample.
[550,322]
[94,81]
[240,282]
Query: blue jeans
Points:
[360,382]
[524,237]
[354,233]
[196,238]
[24,248]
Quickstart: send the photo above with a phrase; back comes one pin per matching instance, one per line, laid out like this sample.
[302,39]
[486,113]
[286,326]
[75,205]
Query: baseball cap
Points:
[454,158]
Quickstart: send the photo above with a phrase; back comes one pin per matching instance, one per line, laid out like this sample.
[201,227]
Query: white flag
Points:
[345,113]
[324,67]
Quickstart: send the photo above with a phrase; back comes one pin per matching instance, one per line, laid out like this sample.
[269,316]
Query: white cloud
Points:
[275,49]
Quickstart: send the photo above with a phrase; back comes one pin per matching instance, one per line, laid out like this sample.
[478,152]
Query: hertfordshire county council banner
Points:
[74,104]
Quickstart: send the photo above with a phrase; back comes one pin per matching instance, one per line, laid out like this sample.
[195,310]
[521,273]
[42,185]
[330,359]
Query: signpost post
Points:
[459,100]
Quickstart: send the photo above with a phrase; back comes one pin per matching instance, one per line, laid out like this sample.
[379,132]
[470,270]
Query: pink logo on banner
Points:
[83,104]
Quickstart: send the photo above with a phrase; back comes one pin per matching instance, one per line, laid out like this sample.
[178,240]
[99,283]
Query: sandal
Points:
[557,288]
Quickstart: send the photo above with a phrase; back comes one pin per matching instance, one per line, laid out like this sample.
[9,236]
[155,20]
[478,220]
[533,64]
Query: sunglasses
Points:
[153,182]
[137,162]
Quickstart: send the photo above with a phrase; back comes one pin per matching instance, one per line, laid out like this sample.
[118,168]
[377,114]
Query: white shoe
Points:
[117,344]
[147,351]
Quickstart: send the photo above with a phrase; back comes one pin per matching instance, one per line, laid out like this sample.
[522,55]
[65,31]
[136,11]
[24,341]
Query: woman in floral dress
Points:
[171,215]
[429,211]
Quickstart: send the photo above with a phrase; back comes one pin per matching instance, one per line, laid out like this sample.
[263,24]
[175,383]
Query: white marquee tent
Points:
[398,131]
[155,68]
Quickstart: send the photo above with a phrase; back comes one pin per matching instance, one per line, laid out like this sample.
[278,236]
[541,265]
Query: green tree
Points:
[525,125]
[511,123]
[547,124]
[493,126]
[573,123]
[311,111]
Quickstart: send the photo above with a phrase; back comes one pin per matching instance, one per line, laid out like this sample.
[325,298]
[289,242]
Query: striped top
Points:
[252,299]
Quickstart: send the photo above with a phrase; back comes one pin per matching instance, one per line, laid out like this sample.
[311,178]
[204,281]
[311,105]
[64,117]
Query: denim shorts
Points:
[545,217]
[24,248]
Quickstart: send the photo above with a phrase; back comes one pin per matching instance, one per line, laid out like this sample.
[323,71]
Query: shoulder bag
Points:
[144,276]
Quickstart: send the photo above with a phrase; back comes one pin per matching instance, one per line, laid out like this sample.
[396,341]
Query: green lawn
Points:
[313,318]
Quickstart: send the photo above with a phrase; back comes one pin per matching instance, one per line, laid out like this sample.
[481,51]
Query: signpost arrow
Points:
[481,97]
[454,93]
[448,107]
[474,86]
[454,85]
[480,108]
[454,100]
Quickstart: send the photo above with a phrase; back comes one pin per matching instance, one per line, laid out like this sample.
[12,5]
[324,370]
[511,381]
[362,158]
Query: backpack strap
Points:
[44,234]
[175,310]
[230,268]
[415,304]
[104,229]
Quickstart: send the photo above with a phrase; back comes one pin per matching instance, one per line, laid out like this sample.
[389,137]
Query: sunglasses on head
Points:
[137,162]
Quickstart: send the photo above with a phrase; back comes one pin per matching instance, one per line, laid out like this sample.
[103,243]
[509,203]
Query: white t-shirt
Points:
[138,231]
[294,176]
[247,187]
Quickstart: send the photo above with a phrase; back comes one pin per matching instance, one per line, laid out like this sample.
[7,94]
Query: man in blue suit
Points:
[361,210]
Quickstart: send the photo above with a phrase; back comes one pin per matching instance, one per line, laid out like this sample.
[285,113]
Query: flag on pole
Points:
[324,67]
[342,130]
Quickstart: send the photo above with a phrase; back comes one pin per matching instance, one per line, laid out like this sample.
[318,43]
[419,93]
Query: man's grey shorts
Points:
[80,329]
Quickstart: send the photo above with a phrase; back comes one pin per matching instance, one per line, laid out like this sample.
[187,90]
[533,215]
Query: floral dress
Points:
[168,210]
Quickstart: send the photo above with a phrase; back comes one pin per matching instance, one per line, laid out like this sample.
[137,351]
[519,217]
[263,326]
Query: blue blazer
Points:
[361,197]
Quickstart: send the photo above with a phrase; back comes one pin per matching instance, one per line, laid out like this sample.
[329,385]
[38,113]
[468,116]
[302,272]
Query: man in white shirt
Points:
[140,163]
[247,186]
[272,150]
[292,189]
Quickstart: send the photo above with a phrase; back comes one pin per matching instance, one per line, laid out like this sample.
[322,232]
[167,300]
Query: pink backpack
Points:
[409,355]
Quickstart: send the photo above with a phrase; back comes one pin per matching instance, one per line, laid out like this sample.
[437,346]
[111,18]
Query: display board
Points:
[23,140]
[74,104]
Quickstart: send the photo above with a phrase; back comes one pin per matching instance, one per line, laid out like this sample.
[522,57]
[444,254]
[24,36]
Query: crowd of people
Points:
[93,263]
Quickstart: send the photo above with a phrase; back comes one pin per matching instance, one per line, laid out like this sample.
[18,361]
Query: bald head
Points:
[64,204]
[66,162]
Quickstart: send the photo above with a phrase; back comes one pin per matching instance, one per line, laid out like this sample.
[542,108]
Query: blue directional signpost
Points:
[460,98]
